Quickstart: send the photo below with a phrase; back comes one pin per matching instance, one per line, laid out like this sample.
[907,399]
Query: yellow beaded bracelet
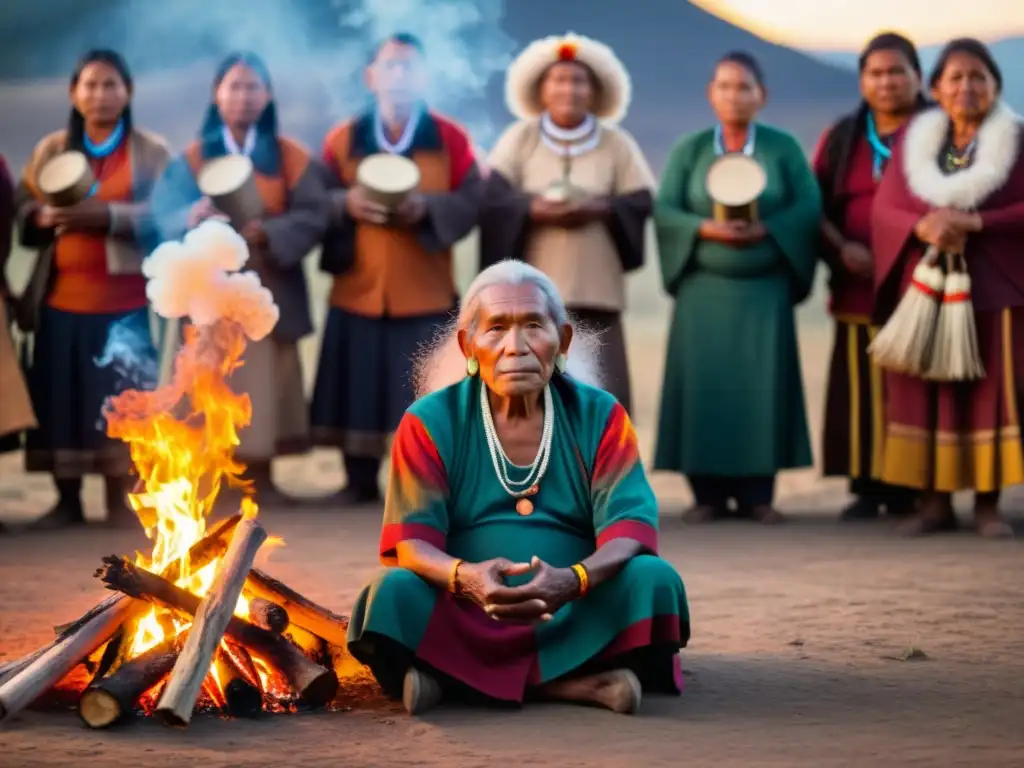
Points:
[453,577]
[581,573]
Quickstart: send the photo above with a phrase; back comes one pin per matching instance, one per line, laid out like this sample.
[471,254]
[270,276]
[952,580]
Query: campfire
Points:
[193,625]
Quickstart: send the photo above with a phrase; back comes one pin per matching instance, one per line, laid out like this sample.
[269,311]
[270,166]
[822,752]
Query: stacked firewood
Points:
[288,654]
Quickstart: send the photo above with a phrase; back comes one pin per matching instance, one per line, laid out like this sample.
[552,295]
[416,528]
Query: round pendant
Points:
[524,507]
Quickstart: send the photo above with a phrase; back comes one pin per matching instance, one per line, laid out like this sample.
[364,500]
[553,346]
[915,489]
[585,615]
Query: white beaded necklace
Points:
[519,488]
[570,142]
[401,146]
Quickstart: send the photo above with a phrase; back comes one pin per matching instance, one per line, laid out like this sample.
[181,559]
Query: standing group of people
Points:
[568,191]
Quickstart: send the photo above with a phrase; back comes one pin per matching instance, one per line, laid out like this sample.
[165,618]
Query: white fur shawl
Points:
[998,145]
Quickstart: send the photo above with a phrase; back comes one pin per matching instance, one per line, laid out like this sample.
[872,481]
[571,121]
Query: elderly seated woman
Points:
[519,524]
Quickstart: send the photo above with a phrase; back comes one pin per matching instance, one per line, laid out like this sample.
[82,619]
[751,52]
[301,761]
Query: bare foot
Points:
[618,690]
[420,692]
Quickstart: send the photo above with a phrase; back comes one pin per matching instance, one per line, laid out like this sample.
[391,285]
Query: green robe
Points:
[444,490]
[733,400]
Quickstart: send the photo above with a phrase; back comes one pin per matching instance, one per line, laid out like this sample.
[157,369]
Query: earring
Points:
[560,363]
[472,366]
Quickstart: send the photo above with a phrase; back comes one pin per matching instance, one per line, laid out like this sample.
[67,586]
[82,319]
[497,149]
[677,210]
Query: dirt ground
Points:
[800,635]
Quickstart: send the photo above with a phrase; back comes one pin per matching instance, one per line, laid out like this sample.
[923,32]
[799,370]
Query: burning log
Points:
[107,701]
[49,667]
[201,554]
[242,698]
[307,614]
[270,616]
[313,683]
[211,619]
[311,645]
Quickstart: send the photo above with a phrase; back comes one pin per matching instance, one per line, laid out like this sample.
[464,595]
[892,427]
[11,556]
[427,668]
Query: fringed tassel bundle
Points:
[905,343]
[956,355]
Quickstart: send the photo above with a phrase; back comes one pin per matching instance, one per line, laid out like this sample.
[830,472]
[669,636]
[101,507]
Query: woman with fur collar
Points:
[956,181]
[569,94]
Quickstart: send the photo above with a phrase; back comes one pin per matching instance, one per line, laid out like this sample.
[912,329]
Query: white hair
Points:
[442,363]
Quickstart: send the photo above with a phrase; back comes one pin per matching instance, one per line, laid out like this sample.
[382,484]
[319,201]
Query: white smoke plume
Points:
[199,278]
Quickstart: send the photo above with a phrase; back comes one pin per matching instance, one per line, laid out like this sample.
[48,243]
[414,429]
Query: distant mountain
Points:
[669,47]
[1009,54]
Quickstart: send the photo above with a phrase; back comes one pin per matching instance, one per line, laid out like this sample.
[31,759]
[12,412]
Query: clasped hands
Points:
[947,228]
[733,232]
[568,213]
[537,600]
[409,213]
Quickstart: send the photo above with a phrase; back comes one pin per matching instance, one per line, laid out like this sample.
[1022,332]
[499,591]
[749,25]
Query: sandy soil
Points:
[796,656]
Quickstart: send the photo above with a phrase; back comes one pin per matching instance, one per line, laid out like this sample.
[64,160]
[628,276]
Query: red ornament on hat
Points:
[567,52]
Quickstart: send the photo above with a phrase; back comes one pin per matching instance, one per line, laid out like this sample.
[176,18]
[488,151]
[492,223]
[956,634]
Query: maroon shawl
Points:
[993,185]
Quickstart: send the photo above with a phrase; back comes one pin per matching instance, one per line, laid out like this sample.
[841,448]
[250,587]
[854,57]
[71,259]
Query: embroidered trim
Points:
[996,151]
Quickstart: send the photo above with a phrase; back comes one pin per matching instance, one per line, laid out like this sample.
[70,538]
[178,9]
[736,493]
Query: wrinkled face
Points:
[100,94]
[515,340]
[889,83]
[966,90]
[241,96]
[734,94]
[567,92]
[398,75]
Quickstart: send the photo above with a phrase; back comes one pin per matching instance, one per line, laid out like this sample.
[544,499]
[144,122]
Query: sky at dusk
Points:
[847,24]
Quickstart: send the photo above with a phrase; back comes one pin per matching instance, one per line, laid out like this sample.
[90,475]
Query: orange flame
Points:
[182,437]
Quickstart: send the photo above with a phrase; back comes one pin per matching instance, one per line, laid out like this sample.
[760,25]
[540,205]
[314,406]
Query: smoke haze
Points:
[324,42]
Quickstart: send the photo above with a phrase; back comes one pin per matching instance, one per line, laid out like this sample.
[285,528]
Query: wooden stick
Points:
[311,645]
[344,663]
[201,554]
[314,683]
[107,701]
[307,614]
[268,615]
[241,697]
[48,669]
[211,619]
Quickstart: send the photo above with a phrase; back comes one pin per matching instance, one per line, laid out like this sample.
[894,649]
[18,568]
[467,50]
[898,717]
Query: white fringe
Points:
[957,356]
[905,343]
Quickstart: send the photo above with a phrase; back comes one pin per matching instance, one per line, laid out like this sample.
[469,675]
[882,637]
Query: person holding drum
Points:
[267,187]
[569,191]
[956,182]
[82,204]
[738,216]
[406,189]
[849,162]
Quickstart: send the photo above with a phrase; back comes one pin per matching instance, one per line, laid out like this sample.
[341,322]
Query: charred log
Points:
[305,613]
[107,701]
[201,554]
[311,681]
[268,615]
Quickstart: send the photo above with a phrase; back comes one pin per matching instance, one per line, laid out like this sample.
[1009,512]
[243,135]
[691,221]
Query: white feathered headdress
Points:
[522,84]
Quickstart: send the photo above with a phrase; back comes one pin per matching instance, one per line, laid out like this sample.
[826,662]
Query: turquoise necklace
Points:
[881,153]
[103,149]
